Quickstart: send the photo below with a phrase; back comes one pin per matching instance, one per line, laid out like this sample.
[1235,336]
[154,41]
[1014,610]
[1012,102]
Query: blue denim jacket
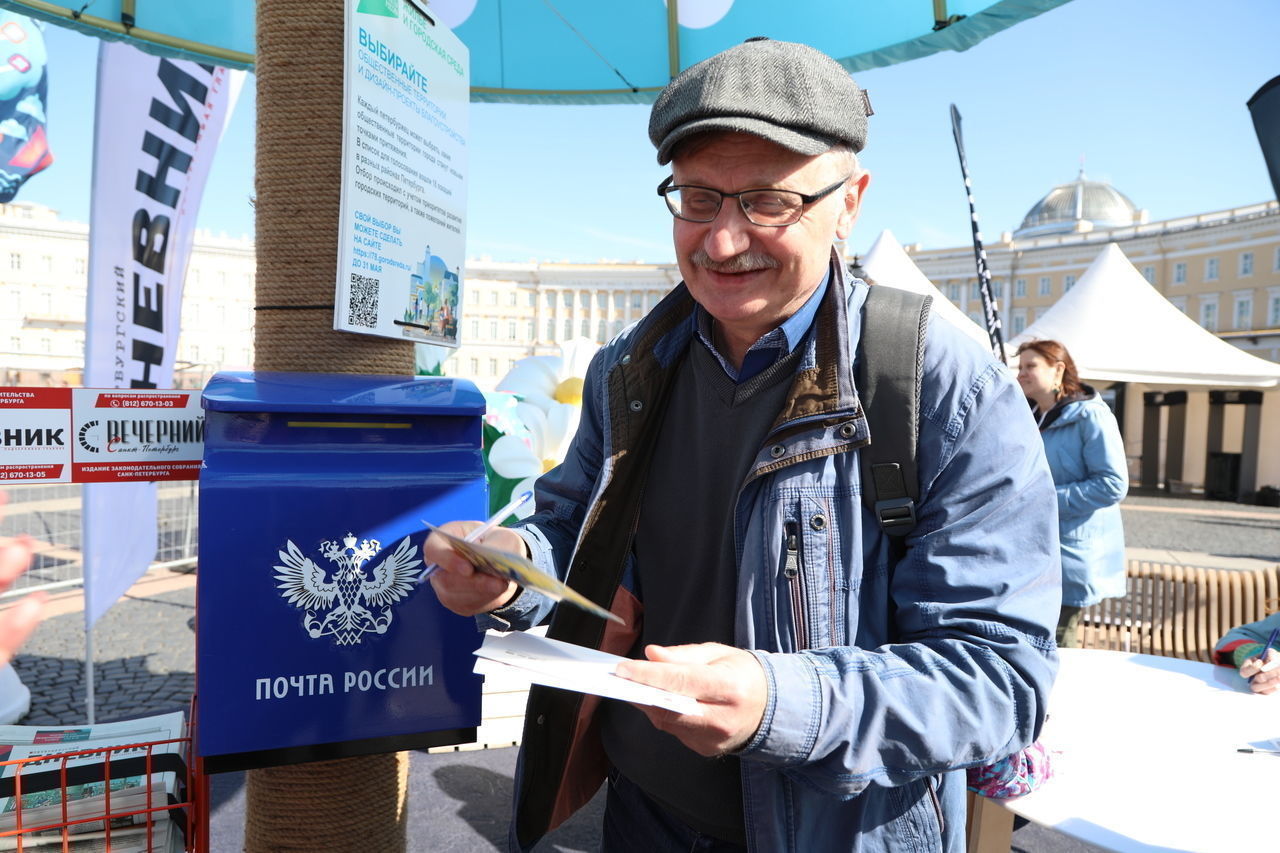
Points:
[883,679]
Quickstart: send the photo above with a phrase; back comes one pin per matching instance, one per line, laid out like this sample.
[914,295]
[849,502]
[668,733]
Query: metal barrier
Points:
[51,515]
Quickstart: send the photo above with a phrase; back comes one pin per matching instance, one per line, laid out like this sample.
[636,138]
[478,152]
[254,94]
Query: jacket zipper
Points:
[793,571]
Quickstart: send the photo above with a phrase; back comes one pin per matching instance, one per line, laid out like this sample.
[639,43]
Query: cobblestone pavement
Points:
[144,661]
[1193,524]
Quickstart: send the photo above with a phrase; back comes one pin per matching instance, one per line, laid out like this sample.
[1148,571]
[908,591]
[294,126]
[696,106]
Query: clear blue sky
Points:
[1150,92]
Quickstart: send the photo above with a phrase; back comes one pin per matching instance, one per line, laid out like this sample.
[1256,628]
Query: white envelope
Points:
[564,665]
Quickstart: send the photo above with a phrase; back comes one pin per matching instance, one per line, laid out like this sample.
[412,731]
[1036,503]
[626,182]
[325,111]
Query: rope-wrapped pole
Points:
[352,804]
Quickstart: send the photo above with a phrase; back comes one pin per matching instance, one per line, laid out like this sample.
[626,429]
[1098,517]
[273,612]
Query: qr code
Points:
[363,307]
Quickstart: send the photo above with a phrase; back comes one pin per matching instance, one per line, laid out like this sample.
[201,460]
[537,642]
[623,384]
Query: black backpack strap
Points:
[890,365]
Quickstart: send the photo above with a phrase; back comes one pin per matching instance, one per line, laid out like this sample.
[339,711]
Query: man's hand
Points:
[16,623]
[458,585]
[729,683]
[1264,671]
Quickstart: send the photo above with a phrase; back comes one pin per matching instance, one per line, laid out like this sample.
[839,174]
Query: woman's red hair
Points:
[1054,352]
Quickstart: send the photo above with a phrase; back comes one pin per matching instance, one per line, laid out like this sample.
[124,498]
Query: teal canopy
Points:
[579,51]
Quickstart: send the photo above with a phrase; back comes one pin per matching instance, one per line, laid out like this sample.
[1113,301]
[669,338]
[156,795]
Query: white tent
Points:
[1119,328]
[888,263]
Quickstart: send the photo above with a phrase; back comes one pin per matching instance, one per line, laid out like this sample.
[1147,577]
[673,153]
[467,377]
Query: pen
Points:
[1259,751]
[1262,655]
[493,521]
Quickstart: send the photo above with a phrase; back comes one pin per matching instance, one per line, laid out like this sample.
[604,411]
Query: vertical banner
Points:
[1264,108]
[990,309]
[157,125]
[402,217]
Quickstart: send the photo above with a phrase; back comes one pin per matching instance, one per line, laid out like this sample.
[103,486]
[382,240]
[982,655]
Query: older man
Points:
[712,499]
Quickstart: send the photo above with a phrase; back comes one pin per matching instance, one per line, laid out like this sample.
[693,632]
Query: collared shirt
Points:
[773,345]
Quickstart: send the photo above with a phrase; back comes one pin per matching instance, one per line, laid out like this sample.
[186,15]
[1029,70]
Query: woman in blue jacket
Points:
[1086,456]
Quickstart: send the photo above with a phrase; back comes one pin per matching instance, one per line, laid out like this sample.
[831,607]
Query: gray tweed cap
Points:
[788,93]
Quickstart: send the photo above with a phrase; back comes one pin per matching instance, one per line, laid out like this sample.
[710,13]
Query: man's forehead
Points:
[743,156]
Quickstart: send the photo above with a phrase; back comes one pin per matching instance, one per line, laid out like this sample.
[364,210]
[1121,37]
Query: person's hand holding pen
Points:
[1262,671]
[456,582]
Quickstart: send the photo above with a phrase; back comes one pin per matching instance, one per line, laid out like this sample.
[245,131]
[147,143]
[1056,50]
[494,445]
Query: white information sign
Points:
[35,435]
[404,163]
[97,435]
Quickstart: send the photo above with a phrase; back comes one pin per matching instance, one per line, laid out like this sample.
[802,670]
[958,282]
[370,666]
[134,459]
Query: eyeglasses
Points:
[770,208]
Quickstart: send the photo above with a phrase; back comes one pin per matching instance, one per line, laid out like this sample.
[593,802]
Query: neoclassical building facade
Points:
[1222,268]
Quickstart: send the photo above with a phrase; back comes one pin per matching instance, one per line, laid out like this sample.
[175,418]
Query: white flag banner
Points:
[157,126]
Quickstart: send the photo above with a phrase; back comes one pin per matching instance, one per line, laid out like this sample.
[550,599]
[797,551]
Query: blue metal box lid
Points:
[265,391]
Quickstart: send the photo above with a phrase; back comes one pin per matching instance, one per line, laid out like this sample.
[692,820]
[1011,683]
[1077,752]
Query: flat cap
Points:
[790,94]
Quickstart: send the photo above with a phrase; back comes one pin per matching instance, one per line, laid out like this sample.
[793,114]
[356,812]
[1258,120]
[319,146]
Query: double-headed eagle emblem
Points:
[350,603]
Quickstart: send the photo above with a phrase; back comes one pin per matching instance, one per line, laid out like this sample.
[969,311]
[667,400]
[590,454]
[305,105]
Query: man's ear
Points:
[853,193]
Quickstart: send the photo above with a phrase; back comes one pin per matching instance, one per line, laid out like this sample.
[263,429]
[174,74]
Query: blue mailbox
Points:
[314,639]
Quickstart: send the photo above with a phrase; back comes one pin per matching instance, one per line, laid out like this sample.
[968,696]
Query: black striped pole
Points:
[990,309]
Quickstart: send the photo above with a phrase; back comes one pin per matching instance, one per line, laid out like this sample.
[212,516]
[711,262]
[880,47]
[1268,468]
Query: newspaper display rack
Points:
[90,800]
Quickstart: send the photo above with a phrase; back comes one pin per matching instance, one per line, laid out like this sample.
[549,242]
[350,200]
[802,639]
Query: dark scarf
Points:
[1085,392]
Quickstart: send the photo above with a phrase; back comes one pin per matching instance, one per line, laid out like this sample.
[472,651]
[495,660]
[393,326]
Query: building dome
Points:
[1081,205]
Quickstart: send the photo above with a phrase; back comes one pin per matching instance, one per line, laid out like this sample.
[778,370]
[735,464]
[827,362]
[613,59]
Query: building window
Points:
[511,299]
[493,330]
[1180,273]
[1273,310]
[586,328]
[568,329]
[1179,302]
[533,299]
[1019,321]
[493,297]
[474,366]
[602,300]
[1275,264]
[493,367]
[1209,313]
[568,299]
[528,331]
[1020,288]
[637,301]
[601,330]
[1211,269]
[48,263]
[551,299]
[511,329]
[617,324]
[953,292]
[1149,273]
[1046,285]
[1068,282]
[1244,313]
[1246,264]
[475,329]
[620,298]
[80,266]
[551,329]
[975,290]
[15,261]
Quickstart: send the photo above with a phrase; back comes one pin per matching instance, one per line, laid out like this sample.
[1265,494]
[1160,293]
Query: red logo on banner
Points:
[35,398]
[30,473]
[141,401]
[134,472]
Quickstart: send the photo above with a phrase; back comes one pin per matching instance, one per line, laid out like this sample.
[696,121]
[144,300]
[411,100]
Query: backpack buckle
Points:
[897,516]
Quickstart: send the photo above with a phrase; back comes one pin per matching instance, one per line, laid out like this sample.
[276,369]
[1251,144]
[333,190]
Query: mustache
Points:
[744,262]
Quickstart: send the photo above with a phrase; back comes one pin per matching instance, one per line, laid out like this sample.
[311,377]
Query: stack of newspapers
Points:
[120,795]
